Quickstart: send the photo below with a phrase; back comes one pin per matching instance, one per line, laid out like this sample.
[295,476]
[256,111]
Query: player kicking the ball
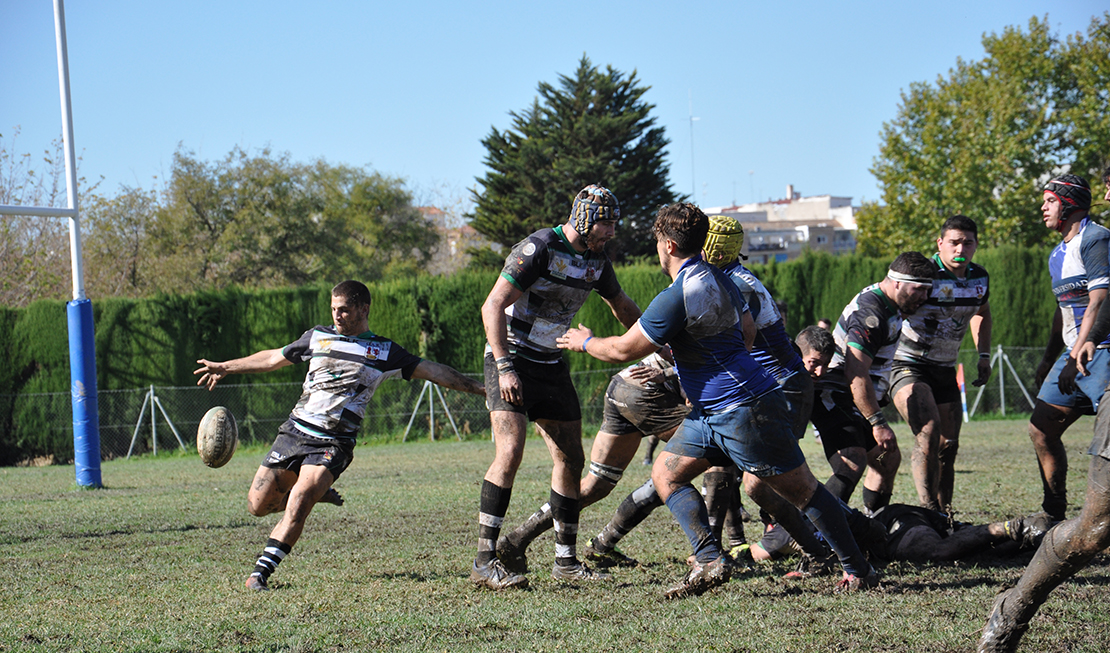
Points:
[346,364]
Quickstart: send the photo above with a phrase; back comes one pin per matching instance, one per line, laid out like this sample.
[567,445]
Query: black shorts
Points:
[901,519]
[294,448]
[941,380]
[839,422]
[644,409]
[547,389]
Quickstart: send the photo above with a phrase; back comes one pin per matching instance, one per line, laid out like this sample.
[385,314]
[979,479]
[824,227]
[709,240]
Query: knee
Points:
[948,450]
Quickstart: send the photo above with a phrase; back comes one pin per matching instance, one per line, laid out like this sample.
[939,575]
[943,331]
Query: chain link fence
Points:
[157,418]
[139,421]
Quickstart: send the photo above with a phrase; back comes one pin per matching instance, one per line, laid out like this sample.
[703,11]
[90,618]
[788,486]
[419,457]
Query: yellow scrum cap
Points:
[724,240]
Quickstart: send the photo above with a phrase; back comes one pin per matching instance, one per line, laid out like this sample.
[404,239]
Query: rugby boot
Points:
[701,578]
[810,566]
[257,583]
[514,557]
[494,576]
[1030,530]
[853,583]
[611,558]
[577,571]
[1005,625]
[331,496]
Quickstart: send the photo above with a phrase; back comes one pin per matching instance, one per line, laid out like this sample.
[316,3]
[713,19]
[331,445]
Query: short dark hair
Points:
[353,291]
[685,224]
[915,264]
[814,338]
[959,223]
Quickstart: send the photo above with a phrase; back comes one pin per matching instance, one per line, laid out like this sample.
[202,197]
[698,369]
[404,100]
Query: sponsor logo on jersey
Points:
[558,268]
[529,250]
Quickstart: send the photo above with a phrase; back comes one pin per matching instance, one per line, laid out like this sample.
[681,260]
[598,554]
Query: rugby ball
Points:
[217,437]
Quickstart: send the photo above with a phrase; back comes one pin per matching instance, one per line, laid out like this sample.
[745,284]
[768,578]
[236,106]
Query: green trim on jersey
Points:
[856,345]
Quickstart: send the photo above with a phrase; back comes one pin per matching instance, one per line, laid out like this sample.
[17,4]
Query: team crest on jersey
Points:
[591,274]
[329,453]
[529,249]
[979,292]
[377,351]
[871,321]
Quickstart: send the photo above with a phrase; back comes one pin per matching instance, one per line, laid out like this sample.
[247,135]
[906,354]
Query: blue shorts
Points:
[756,437]
[1090,387]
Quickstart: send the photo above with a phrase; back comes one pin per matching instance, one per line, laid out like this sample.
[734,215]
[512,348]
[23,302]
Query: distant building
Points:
[780,230]
[450,254]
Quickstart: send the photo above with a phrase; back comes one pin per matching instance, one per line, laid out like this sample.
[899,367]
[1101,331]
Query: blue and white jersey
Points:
[343,373]
[700,315]
[772,348]
[1077,267]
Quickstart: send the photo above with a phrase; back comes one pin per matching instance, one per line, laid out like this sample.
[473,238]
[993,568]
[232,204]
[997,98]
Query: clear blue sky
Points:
[785,93]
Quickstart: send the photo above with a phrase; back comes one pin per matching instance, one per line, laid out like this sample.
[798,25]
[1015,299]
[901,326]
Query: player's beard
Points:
[595,244]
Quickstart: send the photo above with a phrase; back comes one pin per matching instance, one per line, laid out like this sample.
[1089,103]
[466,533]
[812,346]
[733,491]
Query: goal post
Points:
[79,313]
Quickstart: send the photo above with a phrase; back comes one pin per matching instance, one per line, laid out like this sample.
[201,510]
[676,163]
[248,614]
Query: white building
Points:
[780,230]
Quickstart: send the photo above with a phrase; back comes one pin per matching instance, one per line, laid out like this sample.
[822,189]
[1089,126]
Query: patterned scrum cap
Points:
[724,240]
[1073,192]
[593,203]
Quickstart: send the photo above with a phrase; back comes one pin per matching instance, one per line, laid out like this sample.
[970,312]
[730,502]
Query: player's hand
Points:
[510,388]
[647,374]
[210,373]
[1067,377]
[984,372]
[884,438]
[1083,355]
[574,338]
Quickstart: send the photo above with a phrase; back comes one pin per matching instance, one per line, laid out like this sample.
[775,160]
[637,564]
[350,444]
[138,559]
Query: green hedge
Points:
[157,341]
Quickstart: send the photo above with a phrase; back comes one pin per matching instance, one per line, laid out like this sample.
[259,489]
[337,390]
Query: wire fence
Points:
[156,418]
[147,420]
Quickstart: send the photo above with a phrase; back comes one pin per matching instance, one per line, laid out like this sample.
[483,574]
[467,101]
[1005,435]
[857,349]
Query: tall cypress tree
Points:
[593,128]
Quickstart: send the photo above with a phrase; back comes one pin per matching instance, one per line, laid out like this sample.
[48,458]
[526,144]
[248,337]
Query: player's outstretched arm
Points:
[266,360]
[448,377]
[624,309]
[614,349]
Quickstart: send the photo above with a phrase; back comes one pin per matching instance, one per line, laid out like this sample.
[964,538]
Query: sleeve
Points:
[300,350]
[664,317]
[1094,254]
[866,329]
[525,263]
[608,286]
[401,359]
[987,292]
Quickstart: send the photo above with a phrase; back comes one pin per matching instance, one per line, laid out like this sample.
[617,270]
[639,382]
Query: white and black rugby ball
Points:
[217,437]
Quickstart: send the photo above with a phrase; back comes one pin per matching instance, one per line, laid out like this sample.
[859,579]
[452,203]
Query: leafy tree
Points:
[593,127]
[983,140]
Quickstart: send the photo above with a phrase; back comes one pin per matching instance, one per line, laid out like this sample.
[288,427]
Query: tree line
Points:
[981,141]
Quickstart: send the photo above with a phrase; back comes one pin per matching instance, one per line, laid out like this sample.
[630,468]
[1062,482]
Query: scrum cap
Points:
[725,238]
[592,204]
[1073,192]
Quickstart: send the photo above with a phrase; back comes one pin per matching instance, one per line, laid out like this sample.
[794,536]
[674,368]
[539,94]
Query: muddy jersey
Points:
[933,334]
[872,324]
[700,315]
[556,280]
[1077,267]
[772,348]
[343,373]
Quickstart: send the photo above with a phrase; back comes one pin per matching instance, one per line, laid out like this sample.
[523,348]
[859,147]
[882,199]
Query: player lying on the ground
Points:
[346,364]
[918,534]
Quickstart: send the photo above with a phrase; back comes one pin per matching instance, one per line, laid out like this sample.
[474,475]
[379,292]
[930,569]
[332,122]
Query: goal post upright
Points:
[79,313]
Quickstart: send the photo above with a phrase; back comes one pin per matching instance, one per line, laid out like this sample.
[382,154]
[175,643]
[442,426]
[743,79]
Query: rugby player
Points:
[1080,275]
[738,411]
[923,376]
[346,364]
[1070,545]
[847,410]
[546,279]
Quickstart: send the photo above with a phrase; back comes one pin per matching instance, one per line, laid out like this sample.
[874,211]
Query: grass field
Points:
[156,562]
